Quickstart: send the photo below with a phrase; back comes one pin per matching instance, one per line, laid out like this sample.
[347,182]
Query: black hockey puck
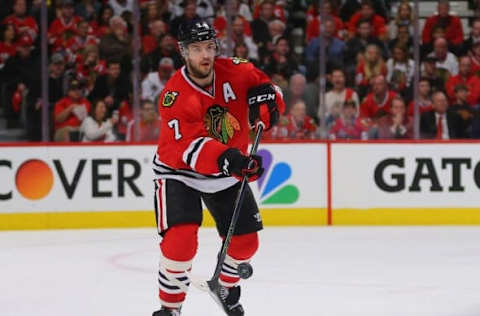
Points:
[245,270]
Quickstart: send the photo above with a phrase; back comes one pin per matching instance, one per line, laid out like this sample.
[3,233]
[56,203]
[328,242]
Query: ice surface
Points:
[321,271]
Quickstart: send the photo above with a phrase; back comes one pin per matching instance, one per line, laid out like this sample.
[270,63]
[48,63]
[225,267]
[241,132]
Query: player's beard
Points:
[199,73]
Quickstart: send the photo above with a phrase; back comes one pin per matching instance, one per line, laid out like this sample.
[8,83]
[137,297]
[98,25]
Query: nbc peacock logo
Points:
[273,184]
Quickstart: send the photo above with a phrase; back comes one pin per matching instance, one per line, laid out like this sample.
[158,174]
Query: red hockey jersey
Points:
[198,126]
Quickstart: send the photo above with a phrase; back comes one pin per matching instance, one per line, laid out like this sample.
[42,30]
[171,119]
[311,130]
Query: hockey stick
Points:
[212,284]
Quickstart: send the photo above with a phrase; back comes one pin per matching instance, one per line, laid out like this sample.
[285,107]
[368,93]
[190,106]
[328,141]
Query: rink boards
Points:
[317,183]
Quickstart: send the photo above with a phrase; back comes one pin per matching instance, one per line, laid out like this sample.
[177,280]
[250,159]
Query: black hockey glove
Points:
[262,102]
[233,163]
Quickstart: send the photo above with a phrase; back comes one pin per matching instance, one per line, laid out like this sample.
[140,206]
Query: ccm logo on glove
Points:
[261,98]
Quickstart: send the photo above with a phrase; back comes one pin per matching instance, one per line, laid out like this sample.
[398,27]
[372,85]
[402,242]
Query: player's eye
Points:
[195,49]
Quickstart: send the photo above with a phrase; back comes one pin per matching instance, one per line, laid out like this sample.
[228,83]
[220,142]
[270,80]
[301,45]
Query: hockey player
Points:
[207,109]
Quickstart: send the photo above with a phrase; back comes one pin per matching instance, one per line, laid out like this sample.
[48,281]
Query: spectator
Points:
[367,12]
[239,36]
[278,9]
[400,70]
[347,125]
[350,7]
[378,102]
[295,91]
[89,66]
[259,26]
[87,9]
[156,29]
[167,48]
[189,14]
[24,24]
[203,8]
[440,123]
[96,127]
[23,71]
[475,57]
[445,59]
[112,88]
[153,84]
[437,76]
[150,14]
[101,26]
[313,22]
[450,23]
[243,9]
[8,47]
[121,6]
[296,124]
[424,97]
[116,45]
[78,42]
[355,47]
[125,112]
[462,107]
[149,126]
[335,48]
[241,50]
[474,38]
[403,39]
[368,68]
[70,112]
[338,95]
[64,27]
[404,18]
[467,78]
[282,60]
[57,83]
[276,28]
[220,22]
[396,125]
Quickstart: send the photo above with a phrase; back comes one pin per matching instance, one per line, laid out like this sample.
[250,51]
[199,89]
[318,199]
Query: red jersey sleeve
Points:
[184,140]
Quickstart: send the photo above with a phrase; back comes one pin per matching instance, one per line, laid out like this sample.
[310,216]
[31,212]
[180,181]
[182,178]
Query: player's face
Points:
[200,57]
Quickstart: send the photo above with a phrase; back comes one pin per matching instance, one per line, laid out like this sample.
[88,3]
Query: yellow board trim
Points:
[409,216]
[271,217]
[125,219]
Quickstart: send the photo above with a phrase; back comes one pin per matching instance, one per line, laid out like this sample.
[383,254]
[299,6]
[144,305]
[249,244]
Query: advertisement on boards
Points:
[119,178]
[413,175]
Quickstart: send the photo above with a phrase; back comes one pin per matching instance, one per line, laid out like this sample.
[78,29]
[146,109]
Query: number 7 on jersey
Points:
[176,128]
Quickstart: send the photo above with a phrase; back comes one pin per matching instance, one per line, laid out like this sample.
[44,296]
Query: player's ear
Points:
[183,50]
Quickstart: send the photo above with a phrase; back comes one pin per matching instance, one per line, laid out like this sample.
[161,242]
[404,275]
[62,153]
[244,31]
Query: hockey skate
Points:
[167,312]
[228,299]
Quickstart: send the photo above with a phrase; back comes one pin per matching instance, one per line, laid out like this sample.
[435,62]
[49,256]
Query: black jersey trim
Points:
[196,146]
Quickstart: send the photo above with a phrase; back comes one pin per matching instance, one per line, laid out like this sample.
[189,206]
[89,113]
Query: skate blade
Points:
[211,288]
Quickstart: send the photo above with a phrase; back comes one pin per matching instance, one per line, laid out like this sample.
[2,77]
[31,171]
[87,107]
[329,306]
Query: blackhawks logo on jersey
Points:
[169,98]
[238,60]
[220,124]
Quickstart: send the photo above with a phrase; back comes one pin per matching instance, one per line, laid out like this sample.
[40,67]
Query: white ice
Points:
[321,271]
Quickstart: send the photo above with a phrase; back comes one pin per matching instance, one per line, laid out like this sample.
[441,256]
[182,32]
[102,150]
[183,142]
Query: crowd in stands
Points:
[368,50]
